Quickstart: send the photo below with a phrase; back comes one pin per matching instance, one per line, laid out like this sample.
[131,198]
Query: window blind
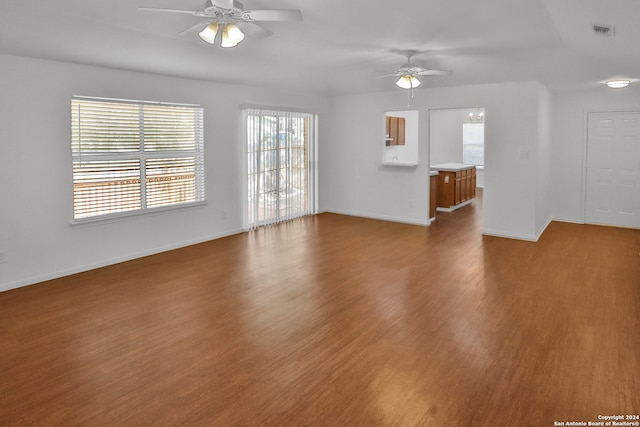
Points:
[131,156]
[280,166]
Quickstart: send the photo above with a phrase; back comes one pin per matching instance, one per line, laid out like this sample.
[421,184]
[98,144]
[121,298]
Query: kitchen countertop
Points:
[451,167]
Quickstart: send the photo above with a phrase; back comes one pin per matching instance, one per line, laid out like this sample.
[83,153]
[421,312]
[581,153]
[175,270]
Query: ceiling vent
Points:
[604,30]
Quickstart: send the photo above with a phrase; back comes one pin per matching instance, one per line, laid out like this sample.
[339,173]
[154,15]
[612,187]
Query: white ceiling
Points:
[340,45]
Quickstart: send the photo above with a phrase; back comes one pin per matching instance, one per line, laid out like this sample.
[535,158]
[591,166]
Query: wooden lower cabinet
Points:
[433,195]
[455,187]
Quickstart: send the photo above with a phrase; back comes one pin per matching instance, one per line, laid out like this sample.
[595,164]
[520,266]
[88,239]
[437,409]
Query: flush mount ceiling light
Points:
[618,84]
[227,17]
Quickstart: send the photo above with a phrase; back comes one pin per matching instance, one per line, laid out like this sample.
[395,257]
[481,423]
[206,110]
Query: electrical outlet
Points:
[411,203]
[3,257]
[223,214]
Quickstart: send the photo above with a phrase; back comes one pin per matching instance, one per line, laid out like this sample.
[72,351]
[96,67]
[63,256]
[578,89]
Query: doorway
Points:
[613,169]
[456,138]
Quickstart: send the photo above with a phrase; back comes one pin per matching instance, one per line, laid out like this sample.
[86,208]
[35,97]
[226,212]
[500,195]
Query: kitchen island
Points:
[456,185]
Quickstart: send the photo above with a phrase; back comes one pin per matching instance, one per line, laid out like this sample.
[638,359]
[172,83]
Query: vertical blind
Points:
[133,156]
[280,166]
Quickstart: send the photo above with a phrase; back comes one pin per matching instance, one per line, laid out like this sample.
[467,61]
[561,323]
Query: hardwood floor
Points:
[336,321]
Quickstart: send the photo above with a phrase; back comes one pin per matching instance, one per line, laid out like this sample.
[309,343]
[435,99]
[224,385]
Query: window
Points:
[473,144]
[280,166]
[131,157]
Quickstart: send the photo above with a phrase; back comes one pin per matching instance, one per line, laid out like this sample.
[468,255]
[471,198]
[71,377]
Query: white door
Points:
[613,169]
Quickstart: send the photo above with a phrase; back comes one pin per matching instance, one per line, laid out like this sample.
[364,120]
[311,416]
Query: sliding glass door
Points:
[280,166]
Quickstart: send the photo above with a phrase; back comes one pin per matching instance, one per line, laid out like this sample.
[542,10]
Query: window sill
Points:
[110,218]
[401,164]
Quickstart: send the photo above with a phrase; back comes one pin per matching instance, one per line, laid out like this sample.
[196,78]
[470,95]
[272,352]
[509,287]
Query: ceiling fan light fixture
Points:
[408,82]
[618,84]
[208,34]
[231,36]
[221,17]
[234,33]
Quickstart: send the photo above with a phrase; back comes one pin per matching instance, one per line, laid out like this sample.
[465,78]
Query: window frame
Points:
[464,124]
[142,156]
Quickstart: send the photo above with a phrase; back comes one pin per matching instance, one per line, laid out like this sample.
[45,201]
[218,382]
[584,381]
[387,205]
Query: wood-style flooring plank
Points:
[332,321]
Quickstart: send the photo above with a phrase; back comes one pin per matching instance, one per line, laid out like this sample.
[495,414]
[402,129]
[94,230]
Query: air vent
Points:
[604,30]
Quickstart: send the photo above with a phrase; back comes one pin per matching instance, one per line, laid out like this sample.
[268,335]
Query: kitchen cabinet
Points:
[433,193]
[456,185]
[395,130]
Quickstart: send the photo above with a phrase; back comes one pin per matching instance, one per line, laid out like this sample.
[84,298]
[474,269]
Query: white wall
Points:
[446,135]
[354,180]
[544,160]
[368,189]
[36,237]
[569,126]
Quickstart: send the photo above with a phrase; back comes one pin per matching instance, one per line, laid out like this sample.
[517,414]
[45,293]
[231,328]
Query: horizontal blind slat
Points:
[170,181]
[102,188]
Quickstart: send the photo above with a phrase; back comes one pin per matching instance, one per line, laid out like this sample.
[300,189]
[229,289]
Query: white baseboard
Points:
[570,220]
[379,217]
[543,228]
[455,207]
[518,236]
[509,235]
[79,269]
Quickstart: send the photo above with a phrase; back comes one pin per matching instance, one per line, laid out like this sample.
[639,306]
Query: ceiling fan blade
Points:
[272,15]
[254,30]
[433,73]
[223,4]
[388,75]
[199,26]
[159,9]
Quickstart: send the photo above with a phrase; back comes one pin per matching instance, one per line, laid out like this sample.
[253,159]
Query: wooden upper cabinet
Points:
[396,130]
[388,130]
[401,130]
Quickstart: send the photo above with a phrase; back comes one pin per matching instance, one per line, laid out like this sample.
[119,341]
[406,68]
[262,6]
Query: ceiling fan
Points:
[408,73]
[229,18]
